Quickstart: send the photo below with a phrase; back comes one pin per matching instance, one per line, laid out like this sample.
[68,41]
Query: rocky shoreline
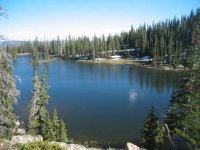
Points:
[27,138]
[21,137]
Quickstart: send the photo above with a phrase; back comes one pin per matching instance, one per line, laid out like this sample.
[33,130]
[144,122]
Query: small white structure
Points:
[115,57]
[130,49]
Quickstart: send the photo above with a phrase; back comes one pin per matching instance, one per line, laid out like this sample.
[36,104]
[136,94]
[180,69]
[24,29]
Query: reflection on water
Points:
[156,79]
[106,103]
[132,96]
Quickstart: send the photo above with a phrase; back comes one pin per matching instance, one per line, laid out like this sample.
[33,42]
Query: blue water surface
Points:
[105,103]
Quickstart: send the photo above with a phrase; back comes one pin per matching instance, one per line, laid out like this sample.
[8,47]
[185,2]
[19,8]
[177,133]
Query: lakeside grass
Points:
[138,63]
[114,61]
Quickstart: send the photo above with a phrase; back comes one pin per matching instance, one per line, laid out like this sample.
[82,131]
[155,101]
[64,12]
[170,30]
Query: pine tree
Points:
[152,134]
[14,53]
[191,123]
[179,104]
[104,48]
[191,126]
[66,51]
[109,45]
[44,98]
[47,129]
[55,124]
[33,123]
[35,55]
[185,103]
[117,42]
[42,103]
[46,52]
[62,132]
[36,43]
[34,108]
[39,100]
[8,95]
[58,44]
[183,115]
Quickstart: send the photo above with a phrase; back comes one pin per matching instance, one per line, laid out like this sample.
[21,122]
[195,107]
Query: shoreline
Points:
[24,54]
[131,62]
[137,63]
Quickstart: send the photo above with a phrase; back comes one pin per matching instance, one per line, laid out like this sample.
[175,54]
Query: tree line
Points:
[167,42]
[183,114]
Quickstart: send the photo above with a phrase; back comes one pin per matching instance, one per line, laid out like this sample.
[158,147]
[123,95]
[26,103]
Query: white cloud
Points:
[20,35]
[26,35]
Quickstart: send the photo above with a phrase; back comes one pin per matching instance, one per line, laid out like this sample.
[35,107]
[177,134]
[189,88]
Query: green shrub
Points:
[40,146]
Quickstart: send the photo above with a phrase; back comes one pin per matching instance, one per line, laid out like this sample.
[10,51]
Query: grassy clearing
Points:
[110,61]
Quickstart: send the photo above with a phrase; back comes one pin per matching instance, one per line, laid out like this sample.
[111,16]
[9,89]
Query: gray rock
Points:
[5,144]
[180,67]
[22,139]
[17,123]
[130,146]
[20,131]
[73,146]
[76,147]
[81,147]
[166,68]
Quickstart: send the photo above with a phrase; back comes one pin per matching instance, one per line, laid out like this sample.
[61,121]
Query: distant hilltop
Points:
[9,42]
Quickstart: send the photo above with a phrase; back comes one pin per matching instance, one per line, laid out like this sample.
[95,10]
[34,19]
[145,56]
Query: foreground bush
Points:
[45,145]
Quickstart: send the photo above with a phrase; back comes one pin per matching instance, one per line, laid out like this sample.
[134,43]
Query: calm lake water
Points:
[106,103]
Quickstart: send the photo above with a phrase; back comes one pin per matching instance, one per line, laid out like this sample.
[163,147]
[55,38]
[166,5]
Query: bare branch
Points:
[3,12]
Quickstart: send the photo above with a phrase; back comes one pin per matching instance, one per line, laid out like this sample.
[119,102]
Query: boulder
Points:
[73,146]
[17,130]
[61,144]
[76,147]
[17,123]
[20,131]
[180,67]
[131,146]
[22,139]
[166,68]
[5,144]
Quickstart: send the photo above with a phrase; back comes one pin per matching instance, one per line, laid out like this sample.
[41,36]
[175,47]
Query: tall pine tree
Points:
[152,134]
[34,107]
[184,112]
[62,132]
[47,128]
[8,95]
[55,124]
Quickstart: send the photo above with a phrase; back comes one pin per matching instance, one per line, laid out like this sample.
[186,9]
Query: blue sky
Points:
[49,18]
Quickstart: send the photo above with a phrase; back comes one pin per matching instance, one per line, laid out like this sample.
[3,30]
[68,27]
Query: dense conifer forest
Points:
[183,114]
[167,42]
